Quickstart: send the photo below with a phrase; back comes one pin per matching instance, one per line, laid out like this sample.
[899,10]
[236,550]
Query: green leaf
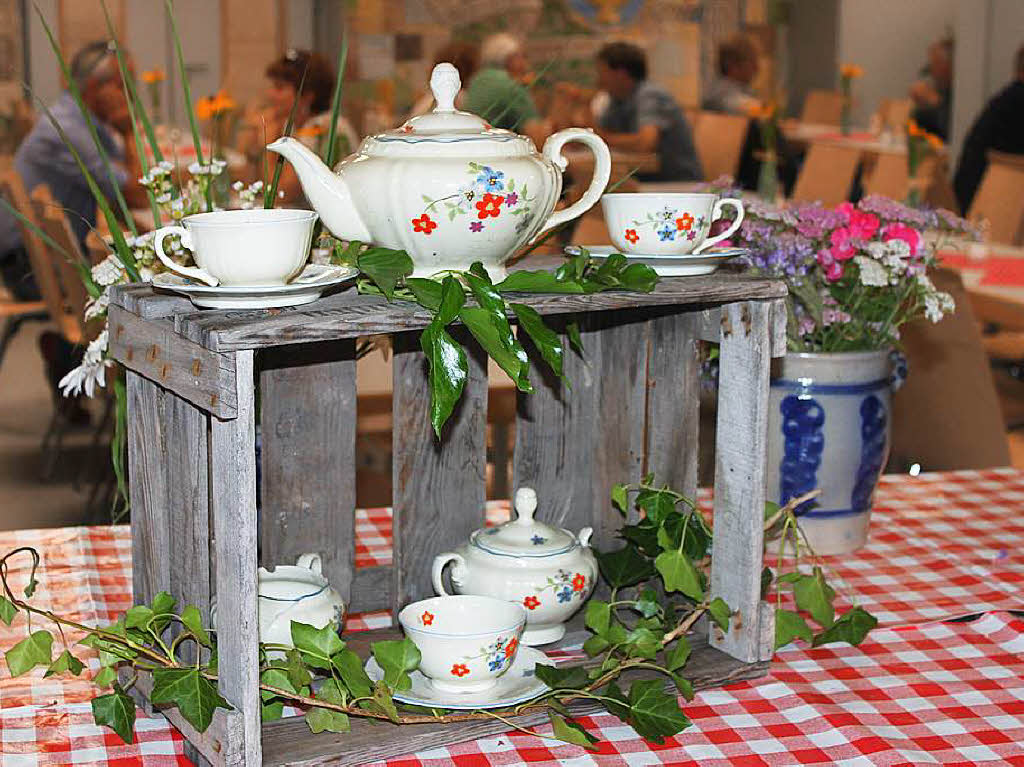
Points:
[523,281]
[647,605]
[720,613]
[324,719]
[767,577]
[385,267]
[595,644]
[34,650]
[66,662]
[448,369]
[194,622]
[547,341]
[657,506]
[789,577]
[489,332]
[683,686]
[852,627]
[571,732]
[271,710]
[654,713]
[276,677]
[639,278]
[572,330]
[163,603]
[770,509]
[679,574]
[676,658]
[620,497]
[643,643]
[30,588]
[7,610]
[644,535]
[574,678]
[624,567]
[814,595]
[350,668]
[317,645]
[427,292]
[615,701]
[137,617]
[382,701]
[194,695]
[116,711]
[789,626]
[397,657]
[105,676]
[597,616]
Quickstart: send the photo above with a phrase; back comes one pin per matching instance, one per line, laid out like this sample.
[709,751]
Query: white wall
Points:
[889,39]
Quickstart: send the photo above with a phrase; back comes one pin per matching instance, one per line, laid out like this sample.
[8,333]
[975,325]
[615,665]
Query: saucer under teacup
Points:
[311,283]
[518,685]
[667,265]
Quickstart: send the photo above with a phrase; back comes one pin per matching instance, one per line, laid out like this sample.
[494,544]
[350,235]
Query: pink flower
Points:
[863,226]
[841,249]
[898,231]
[833,269]
[845,209]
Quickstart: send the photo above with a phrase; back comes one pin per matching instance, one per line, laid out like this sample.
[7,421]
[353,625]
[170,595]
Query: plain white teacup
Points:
[242,247]
[658,223]
[465,642]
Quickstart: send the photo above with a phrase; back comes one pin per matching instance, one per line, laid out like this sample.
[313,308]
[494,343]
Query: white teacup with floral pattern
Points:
[465,642]
[659,223]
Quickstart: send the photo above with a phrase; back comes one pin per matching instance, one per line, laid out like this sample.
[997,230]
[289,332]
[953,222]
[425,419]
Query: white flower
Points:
[872,273]
[165,166]
[237,186]
[163,199]
[97,306]
[146,274]
[925,282]
[108,271]
[91,373]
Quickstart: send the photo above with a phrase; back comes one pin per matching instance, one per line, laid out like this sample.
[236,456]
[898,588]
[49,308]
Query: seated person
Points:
[738,65]
[465,57]
[497,92]
[933,95]
[312,119]
[642,117]
[1000,126]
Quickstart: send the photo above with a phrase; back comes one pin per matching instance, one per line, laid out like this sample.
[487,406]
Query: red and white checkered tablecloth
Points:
[917,692]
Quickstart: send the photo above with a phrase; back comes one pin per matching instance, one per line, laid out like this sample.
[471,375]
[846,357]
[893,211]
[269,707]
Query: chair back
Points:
[827,174]
[1000,199]
[822,107]
[895,113]
[719,141]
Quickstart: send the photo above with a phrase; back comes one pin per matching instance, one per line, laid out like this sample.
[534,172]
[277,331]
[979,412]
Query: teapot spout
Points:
[326,191]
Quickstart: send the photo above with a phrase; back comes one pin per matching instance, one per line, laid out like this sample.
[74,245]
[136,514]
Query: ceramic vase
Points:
[828,428]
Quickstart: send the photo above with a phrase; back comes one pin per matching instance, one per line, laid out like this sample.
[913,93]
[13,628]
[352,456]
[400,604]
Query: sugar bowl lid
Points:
[524,536]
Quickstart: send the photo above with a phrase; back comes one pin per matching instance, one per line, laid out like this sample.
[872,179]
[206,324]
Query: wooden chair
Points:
[822,107]
[895,113]
[827,174]
[1000,199]
[719,140]
[889,176]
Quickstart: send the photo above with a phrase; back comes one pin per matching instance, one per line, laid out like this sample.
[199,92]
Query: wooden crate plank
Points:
[740,456]
[233,507]
[153,349]
[439,488]
[308,407]
[143,300]
[372,589]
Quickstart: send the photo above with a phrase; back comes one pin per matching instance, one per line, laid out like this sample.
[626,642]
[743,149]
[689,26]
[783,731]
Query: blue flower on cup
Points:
[565,594]
[667,233]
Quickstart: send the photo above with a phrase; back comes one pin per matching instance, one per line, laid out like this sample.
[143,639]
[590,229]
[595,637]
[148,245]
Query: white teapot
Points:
[446,187]
[547,570]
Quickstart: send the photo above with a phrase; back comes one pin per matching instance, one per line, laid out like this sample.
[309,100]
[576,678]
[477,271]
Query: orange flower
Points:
[632,236]
[531,603]
[914,129]
[310,131]
[222,102]
[511,647]
[204,108]
[851,71]
[578,582]
[151,76]
[934,141]
[684,223]
[424,224]
[460,670]
[214,105]
[490,205]
[760,110]
[427,619]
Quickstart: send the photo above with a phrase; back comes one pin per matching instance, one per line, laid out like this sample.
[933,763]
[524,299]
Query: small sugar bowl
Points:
[547,570]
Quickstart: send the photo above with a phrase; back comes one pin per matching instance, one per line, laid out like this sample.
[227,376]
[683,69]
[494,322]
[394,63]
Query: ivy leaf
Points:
[382,701]
[547,341]
[448,369]
[720,613]
[138,617]
[679,574]
[538,281]
[385,267]
[489,300]
[597,616]
[556,678]
[316,645]
[767,576]
[815,596]
[272,710]
[654,713]
[276,677]
[321,719]
[571,732]
[624,567]
[397,657]
[852,627]
[427,292]
[193,694]
[643,643]
[789,577]
[572,330]
[487,329]
[644,535]
[194,622]
[34,650]
[683,686]
[657,506]
[116,711]
[105,677]
[615,701]
[163,604]
[7,610]
[350,668]
[647,605]
[620,497]
[65,662]
[595,644]
[676,658]
[789,626]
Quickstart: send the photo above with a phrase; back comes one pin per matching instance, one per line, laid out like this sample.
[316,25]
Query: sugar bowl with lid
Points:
[547,570]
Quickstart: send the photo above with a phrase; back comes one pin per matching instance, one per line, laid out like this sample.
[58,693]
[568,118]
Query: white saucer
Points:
[515,686]
[311,283]
[687,265]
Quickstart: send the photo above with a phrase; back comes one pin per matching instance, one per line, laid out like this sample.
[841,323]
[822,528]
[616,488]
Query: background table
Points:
[918,691]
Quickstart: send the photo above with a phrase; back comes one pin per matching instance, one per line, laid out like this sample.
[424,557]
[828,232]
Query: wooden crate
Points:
[192,381]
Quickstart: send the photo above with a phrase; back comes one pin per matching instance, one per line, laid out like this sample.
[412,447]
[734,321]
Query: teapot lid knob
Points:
[445,84]
[526,505]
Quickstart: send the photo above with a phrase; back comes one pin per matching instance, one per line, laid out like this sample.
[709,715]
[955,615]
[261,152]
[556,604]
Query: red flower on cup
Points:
[460,670]
[427,619]
[511,647]
[578,582]
[684,223]
[632,236]
[424,224]
[531,603]
[490,205]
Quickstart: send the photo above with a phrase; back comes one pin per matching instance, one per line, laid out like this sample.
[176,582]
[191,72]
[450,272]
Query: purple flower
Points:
[691,235]
[476,226]
[512,199]
[891,210]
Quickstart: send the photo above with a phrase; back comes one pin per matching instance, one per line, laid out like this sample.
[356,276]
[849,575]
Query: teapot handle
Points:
[437,572]
[602,171]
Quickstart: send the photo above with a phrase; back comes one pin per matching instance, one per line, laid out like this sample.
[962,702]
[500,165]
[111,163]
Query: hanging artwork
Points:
[602,14]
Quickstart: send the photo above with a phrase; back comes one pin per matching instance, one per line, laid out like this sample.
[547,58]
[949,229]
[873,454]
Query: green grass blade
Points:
[147,124]
[332,132]
[77,95]
[270,194]
[187,91]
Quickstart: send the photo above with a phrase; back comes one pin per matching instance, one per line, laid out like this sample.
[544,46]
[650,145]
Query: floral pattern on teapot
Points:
[489,196]
[667,224]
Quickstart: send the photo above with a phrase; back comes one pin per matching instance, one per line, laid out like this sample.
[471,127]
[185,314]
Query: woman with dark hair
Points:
[312,115]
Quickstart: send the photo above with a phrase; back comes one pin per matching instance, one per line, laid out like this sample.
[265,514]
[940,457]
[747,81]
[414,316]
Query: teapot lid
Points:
[524,536]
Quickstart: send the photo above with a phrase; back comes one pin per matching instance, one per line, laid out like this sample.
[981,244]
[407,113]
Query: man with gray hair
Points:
[497,93]
[44,158]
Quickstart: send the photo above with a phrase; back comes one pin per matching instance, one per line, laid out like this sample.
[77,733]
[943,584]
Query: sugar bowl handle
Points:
[459,572]
[311,562]
[584,536]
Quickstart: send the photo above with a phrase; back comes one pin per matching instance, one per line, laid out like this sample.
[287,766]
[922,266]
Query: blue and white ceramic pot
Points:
[828,429]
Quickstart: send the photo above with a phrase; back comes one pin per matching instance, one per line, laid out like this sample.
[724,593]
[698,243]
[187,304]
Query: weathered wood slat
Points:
[372,589]
[233,502]
[740,455]
[143,300]
[439,488]
[154,350]
[308,405]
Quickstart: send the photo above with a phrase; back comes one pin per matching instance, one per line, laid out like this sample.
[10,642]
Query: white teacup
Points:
[465,642]
[657,223]
[242,247]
